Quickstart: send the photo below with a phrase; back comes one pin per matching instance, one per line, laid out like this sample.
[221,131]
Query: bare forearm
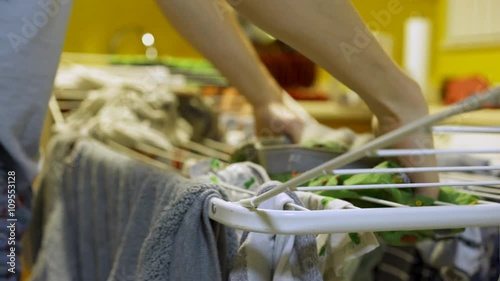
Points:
[333,35]
[210,26]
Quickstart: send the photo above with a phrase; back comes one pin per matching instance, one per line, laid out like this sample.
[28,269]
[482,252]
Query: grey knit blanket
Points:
[104,216]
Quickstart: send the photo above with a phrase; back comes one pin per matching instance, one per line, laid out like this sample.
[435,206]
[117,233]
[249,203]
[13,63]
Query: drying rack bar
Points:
[246,215]
[470,104]
[414,170]
[401,152]
[466,129]
[205,150]
[399,185]
[382,202]
[353,220]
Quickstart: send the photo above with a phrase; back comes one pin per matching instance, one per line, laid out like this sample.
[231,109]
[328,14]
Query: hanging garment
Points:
[244,176]
[402,196]
[403,263]
[466,256]
[337,250]
[113,218]
[264,257]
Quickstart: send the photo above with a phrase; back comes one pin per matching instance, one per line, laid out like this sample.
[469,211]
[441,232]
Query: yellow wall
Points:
[450,63]
[369,9]
[94,22]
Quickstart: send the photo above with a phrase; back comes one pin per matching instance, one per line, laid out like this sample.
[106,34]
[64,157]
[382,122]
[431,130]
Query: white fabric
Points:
[466,254]
[314,131]
[246,176]
[339,250]
[270,256]
[31,37]
[265,257]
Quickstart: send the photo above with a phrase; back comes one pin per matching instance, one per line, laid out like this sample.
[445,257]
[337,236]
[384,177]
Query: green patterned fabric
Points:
[401,196]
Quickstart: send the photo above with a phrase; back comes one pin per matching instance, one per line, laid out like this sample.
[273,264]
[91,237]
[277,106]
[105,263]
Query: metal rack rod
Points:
[466,129]
[352,220]
[401,152]
[296,207]
[400,185]
[470,104]
[414,170]
[383,202]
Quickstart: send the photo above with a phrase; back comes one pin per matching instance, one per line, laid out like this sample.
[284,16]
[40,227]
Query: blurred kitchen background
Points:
[451,47]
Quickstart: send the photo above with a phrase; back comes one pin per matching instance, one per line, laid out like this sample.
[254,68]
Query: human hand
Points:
[275,119]
[419,140]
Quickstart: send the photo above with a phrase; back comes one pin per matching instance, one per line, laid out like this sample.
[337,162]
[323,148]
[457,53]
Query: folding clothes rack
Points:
[246,215]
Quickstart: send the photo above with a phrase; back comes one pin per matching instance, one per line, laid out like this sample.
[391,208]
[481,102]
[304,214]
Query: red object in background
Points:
[307,94]
[290,68]
[456,90]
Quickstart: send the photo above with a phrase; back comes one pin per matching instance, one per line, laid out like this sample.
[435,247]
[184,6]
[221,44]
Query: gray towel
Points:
[264,257]
[112,218]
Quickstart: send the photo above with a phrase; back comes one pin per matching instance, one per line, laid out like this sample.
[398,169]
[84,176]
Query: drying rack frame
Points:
[246,215]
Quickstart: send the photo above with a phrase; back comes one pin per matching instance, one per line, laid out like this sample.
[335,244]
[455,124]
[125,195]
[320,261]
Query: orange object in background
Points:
[456,90]
[307,94]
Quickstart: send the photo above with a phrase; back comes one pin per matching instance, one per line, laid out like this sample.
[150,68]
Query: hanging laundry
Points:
[401,196]
[337,250]
[246,176]
[113,218]
[264,257]
[462,257]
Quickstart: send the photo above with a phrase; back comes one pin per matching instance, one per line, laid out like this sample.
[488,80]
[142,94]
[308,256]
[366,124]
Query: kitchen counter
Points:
[359,119]
[335,115]
[483,117]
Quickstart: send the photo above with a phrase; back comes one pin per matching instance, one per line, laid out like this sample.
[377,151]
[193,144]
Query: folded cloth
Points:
[276,257]
[337,250]
[113,218]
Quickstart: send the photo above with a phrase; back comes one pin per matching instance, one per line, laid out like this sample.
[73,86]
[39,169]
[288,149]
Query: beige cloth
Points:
[336,251]
[314,131]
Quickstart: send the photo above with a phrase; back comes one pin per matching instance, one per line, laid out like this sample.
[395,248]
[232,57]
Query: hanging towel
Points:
[264,257]
[337,250]
[113,218]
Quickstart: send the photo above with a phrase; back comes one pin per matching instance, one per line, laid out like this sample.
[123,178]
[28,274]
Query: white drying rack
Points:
[246,215]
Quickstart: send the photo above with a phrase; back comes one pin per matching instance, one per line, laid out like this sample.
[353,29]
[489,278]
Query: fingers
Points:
[294,130]
[278,120]
[420,140]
